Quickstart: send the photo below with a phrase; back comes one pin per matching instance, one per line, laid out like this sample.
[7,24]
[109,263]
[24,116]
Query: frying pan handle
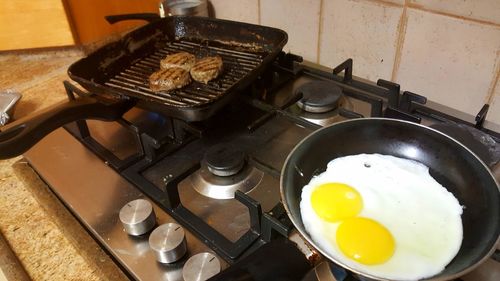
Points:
[276,260]
[150,17]
[17,137]
[321,272]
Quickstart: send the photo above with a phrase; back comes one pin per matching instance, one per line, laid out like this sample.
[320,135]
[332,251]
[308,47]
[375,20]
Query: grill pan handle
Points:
[20,135]
[150,17]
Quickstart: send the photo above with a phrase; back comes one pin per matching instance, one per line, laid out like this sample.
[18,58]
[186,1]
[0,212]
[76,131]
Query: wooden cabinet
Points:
[53,23]
[33,24]
[88,21]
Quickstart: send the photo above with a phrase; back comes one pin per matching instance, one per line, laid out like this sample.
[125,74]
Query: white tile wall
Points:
[398,2]
[238,10]
[450,61]
[485,10]
[300,19]
[364,31]
[494,111]
[446,48]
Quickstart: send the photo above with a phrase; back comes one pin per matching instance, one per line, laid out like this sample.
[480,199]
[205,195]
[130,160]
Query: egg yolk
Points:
[336,201]
[365,241]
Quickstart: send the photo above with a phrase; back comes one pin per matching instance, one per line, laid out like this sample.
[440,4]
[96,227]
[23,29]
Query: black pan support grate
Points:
[264,226]
[135,79]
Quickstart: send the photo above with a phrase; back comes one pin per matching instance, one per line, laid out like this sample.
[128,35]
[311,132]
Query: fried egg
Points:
[383,216]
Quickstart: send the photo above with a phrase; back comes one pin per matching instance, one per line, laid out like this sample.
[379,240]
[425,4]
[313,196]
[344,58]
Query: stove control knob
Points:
[200,267]
[138,217]
[168,242]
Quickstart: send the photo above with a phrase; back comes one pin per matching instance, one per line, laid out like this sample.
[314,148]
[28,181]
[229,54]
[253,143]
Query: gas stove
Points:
[213,185]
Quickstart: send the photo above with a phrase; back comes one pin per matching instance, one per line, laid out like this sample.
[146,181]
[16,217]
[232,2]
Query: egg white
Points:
[423,217]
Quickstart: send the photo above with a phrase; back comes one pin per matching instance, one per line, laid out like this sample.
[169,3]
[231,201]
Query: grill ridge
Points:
[135,79]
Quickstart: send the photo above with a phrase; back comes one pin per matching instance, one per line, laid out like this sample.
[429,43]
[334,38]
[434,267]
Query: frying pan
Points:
[117,74]
[450,163]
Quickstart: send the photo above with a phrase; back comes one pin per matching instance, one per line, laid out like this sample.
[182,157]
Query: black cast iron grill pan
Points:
[123,68]
[116,75]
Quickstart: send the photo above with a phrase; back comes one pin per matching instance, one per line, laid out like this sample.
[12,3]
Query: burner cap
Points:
[319,96]
[224,160]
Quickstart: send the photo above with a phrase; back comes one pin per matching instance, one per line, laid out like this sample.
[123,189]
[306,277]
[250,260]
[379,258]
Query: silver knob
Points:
[168,241]
[200,267]
[138,217]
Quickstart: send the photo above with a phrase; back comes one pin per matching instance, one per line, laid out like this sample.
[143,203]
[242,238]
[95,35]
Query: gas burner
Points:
[160,159]
[223,171]
[320,103]
[224,160]
[319,96]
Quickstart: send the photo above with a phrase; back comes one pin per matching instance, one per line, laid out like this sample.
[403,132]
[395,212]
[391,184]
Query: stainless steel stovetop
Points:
[98,167]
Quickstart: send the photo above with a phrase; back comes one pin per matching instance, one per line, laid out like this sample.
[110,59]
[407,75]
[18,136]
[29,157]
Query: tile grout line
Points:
[258,14]
[403,21]
[320,28]
[382,3]
[431,11]
[494,83]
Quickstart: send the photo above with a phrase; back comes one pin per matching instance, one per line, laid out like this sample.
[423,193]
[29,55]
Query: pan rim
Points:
[309,240]
[95,81]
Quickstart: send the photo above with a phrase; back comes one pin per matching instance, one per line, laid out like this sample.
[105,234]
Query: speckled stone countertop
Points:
[47,240]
